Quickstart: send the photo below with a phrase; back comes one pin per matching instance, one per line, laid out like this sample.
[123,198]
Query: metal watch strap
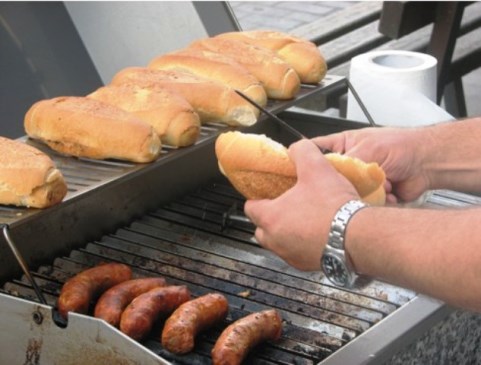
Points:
[339,223]
[335,262]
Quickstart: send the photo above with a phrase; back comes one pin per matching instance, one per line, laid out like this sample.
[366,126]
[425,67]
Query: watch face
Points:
[335,269]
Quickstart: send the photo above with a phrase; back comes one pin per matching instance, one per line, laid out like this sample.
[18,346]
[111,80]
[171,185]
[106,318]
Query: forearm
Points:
[435,252]
[453,155]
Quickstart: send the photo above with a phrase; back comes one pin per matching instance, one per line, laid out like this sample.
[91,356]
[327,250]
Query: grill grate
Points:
[183,241]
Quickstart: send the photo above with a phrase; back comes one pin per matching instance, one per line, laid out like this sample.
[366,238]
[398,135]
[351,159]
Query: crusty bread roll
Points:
[28,177]
[213,101]
[213,66]
[304,56]
[278,78]
[260,168]
[171,116]
[84,127]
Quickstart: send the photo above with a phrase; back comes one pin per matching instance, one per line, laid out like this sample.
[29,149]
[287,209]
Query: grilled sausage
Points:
[140,315]
[77,292]
[190,318]
[244,334]
[112,303]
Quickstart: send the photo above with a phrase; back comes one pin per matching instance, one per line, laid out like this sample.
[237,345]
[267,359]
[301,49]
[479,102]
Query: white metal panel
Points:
[123,34]
[30,336]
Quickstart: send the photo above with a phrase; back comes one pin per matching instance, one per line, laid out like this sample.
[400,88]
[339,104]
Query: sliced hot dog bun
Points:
[257,166]
[84,127]
[260,168]
[303,56]
[214,66]
[212,100]
[171,116]
[28,177]
[279,79]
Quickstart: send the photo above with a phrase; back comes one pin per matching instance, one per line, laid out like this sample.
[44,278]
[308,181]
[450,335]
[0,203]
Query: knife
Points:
[273,116]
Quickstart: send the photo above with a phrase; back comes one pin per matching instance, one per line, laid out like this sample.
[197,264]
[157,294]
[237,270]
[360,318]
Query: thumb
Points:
[308,159]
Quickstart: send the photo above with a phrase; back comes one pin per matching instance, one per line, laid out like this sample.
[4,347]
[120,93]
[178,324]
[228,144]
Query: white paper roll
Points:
[398,88]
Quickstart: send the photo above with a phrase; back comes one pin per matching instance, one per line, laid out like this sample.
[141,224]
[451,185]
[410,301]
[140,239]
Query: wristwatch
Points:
[335,262]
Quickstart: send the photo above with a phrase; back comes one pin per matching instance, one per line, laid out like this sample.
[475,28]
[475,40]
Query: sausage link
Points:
[191,318]
[112,303]
[80,290]
[240,337]
[139,316]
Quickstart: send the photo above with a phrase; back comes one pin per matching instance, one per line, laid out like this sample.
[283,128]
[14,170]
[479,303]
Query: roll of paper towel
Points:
[398,88]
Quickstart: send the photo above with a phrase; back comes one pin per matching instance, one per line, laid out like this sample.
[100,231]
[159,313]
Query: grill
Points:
[183,242]
[167,218]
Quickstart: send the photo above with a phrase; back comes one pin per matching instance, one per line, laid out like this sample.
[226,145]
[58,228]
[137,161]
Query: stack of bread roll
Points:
[168,100]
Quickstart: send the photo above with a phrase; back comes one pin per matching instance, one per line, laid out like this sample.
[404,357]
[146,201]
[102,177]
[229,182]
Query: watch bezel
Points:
[347,277]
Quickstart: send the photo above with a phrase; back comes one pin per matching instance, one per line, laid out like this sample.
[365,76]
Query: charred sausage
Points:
[190,318]
[244,334]
[77,292]
[139,316]
[112,303]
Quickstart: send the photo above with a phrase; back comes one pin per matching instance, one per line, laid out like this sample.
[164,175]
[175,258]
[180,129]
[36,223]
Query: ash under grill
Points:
[184,242]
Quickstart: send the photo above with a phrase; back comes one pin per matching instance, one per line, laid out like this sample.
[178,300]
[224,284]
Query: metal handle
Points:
[361,104]
[22,262]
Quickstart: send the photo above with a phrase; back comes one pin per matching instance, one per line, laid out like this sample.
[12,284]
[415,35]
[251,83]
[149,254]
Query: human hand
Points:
[399,151]
[295,225]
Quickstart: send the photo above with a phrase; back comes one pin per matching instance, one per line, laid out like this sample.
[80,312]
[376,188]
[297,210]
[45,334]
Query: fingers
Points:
[334,142]
[252,209]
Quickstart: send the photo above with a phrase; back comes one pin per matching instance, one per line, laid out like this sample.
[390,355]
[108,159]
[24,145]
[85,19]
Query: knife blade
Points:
[281,122]
[272,115]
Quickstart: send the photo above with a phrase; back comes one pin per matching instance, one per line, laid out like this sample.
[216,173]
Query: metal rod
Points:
[22,263]
[361,104]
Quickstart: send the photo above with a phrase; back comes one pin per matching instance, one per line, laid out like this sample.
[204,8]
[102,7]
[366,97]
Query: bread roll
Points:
[84,127]
[213,66]
[303,56]
[279,79]
[28,177]
[260,168]
[213,101]
[171,116]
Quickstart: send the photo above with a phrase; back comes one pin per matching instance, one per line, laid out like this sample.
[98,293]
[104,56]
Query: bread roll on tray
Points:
[278,78]
[171,116]
[213,101]
[28,177]
[260,168]
[213,66]
[84,127]
[303,56]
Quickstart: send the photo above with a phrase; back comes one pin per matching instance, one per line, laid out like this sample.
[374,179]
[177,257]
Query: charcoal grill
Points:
[166,218]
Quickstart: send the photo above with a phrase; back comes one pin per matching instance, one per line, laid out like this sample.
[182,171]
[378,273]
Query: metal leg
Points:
[443,39]
[454,101]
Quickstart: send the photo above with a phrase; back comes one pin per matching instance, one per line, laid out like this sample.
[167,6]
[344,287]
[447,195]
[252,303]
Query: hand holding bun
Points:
[260,168]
